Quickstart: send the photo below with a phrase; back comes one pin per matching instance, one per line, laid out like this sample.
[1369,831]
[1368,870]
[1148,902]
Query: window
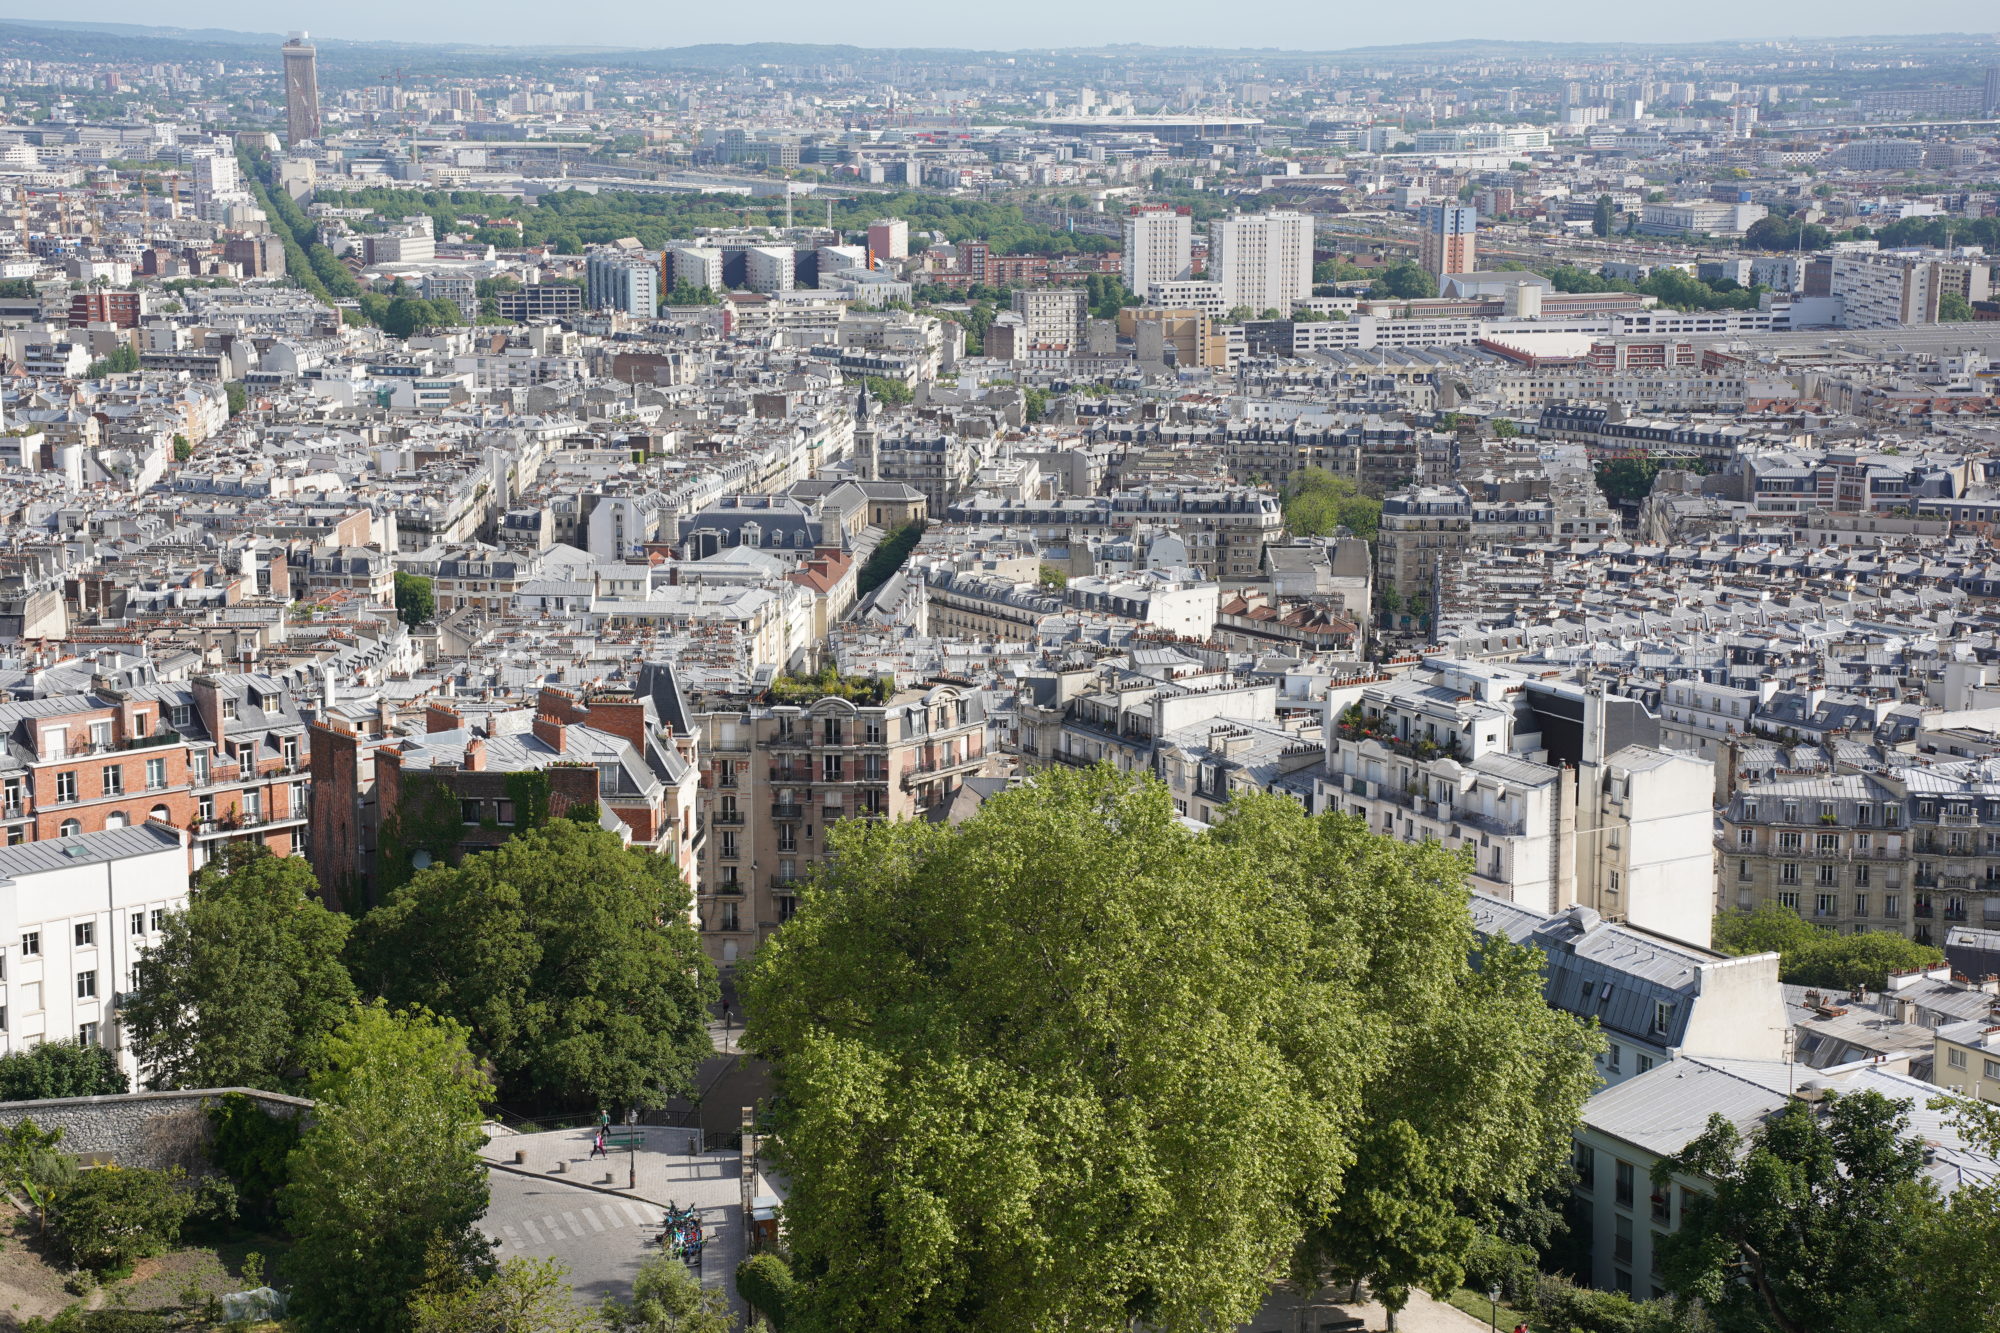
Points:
[829,731]
[157,920]
[65,786]
[1585,1161]
[1645,1063]
[1663,1204]
[1790,842]
[1823,904]
[1892,904]
[70,828]
[1827,843]
[1861,904]
[1612,1054]
[86,1034]
[1992,1068]
[469,812]
[1663,1016]
[138,923]
[86,934]
[86,985]
[729,917]
[114,780]
[1621,1248]
[100,733]
[1621,1188]
[156,774]
[1746,837]
[1788,873]
[31,944]
[829,768]
[503,811]
[1861,877]
[1789,899]
[1955,1057]
[1829,874]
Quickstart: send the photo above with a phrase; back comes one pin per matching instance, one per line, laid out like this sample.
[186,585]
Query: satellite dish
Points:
[420,859]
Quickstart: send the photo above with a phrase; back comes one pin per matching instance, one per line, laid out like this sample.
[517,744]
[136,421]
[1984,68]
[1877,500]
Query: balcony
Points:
[782,810]
[236,825]
[727,820]
[1488,823]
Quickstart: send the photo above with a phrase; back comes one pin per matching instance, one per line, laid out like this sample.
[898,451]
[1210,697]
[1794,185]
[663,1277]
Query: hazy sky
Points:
[1021,24]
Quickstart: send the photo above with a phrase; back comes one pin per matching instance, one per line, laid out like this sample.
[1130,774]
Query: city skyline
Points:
[612,24]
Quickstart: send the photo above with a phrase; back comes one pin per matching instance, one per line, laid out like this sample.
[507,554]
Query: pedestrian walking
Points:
[597,1149]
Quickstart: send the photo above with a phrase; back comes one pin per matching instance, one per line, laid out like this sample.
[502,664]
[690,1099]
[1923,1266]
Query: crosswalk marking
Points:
[569,1219]
[513,1237]
[533,1234]
[590,1216]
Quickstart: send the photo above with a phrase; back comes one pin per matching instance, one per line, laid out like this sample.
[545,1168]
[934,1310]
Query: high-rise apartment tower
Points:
[1445,236]
[301,90]
[1159,245]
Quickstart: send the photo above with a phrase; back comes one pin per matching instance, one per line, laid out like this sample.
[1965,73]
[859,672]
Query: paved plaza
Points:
[557,1202]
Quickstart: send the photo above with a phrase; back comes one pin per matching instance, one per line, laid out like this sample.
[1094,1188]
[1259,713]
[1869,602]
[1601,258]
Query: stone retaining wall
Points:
[150,1129]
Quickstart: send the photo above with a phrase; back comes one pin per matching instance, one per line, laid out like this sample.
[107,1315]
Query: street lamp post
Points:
[632,1148]
[1493,1309]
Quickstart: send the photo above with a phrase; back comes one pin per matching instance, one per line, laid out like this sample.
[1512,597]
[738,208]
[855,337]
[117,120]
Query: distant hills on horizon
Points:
[60,39]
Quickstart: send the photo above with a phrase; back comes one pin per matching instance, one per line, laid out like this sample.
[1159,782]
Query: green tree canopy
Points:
[667,1298]
[1403,281]
[1810,956]
[1809,1223]
[522,1296]
[1957,1283]
[415,600]
[570,959]
[1318,503]
[1011,1054]
[60,1068]
[245,981]
[387,1176]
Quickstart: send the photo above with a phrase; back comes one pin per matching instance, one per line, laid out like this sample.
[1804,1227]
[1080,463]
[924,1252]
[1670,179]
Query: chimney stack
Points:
[475,755]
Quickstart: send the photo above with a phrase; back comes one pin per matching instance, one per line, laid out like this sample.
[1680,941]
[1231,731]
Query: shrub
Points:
[1492,1262]
[764,1281]
[113,1215]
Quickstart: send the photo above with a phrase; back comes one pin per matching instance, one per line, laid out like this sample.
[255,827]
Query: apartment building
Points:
[1652,997]
[1051,317]
[1447,237]
[1560,791]
[1631,1127]
[1915,850]
[1158,245]
[221,757]
[75,914]
[389,805]
[1421,530]
[1262,261]
[776,776]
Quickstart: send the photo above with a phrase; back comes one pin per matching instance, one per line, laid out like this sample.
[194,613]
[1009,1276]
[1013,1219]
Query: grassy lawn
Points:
[1475,1304]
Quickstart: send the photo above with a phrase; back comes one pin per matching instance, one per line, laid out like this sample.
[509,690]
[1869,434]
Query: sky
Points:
[1021,24]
